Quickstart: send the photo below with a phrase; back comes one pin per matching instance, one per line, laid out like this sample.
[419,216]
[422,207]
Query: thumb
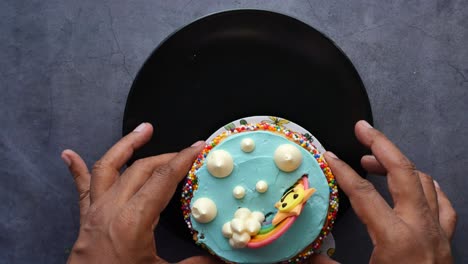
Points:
[82,177]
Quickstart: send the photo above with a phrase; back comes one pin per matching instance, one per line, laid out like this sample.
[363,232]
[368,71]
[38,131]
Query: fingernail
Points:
[436,184]
[198,143]
[66,159]
[331,154]
[140,128]
[366,124]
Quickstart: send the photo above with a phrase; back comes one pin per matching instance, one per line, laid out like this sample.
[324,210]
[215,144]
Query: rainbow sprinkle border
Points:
[191,181]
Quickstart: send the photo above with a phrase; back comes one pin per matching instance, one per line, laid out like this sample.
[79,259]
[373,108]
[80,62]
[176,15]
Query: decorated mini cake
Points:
[260,193]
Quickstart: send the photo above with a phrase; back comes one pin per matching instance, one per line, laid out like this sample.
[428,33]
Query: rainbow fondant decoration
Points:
[270,232]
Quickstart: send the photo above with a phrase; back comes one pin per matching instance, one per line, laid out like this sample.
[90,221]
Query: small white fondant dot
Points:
[261,186]
[238,192]
[247,145]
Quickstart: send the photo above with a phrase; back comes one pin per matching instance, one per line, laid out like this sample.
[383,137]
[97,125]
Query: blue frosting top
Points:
[249,168]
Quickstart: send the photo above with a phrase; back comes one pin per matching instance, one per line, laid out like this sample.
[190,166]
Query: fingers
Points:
[321,259]
[136,175]
[158,190]
[106,170]
[368,204]
[403,179]
[82,178]
[430,193]
[372,165]
[447,214]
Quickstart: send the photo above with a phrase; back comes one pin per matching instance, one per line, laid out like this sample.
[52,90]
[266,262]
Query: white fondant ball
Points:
[252,226]
[204,210]
[287,157]
[240,240]
[247,145]
[242,213]
[227,230]
[219,163]
[261,186]
[238,192]
[258,215]
[238,225]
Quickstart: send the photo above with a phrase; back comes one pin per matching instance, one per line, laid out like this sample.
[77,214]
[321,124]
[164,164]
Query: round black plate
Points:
[243,63]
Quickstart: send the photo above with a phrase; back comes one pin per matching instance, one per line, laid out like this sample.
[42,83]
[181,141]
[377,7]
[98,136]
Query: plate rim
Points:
[242,10]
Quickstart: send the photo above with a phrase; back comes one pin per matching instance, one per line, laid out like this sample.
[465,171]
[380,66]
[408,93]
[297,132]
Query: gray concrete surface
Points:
[66,68]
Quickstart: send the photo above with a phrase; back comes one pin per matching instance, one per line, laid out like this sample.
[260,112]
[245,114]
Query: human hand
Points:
[419,227]
[119,211]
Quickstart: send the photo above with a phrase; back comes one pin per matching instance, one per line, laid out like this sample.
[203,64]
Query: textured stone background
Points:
[66,68]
